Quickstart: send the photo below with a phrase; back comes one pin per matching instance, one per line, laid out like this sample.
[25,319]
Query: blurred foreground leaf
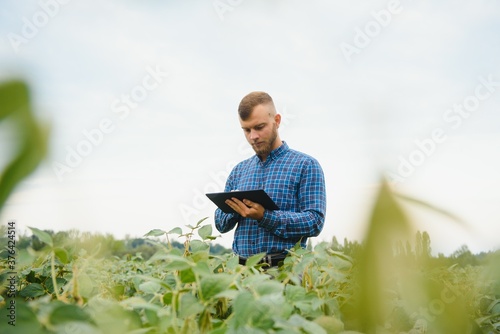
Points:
[14,103]
[433,208]
[388,223]
[388,286]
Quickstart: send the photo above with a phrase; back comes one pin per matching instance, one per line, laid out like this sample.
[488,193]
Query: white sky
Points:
[358,113]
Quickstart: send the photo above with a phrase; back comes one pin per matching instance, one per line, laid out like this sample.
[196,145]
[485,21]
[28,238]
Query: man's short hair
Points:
[252,100]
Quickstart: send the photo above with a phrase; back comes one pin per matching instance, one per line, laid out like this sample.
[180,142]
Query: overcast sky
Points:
[142,99]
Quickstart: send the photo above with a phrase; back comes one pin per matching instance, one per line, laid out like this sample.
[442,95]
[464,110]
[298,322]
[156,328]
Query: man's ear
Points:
[277,120]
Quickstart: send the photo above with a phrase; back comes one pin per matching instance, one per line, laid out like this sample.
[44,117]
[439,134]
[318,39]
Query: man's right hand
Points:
[246,208]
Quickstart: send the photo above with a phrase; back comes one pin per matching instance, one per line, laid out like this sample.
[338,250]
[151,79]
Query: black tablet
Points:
[257,196]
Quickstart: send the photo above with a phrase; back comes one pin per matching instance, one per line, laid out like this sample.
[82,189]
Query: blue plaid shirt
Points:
[296,183]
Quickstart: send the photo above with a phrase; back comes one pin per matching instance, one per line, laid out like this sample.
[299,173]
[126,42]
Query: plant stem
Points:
[53,272]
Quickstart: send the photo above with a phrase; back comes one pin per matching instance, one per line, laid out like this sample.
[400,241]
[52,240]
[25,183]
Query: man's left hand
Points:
[246,208]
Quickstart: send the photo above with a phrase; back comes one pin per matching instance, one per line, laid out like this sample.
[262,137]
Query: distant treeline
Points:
[101,245]
[419,251]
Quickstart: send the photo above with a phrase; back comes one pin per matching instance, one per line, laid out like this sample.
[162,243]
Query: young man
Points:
[294,180]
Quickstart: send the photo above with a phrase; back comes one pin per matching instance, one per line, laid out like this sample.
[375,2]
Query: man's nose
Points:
[253,134]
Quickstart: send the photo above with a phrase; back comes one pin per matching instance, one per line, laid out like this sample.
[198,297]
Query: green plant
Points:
[33,137]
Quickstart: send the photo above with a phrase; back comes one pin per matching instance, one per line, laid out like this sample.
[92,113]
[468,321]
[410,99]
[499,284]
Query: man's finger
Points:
[238,207]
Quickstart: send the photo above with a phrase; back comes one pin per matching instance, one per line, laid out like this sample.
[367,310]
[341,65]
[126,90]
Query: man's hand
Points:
[246,208]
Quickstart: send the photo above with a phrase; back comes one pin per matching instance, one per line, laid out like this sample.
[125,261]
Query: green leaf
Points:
[269,287]
[32,290]
[155,233]
[232,262]
[86,285]
[111,317]
[150,287]
[230,294]
[152,317]
[201,221]
[178,263]
[13,97]
[49,284]
[189,306]
[243,309]
[295,293]
[434,208]
[202,269]
[205,232]
[25,318]
[14,103]
[168,298]
[187,276]
[160,255]
[62,255]
[139,303]
[116,290]
[165,284]
[216,283]
[199,246]
[175,230]
[388,223]
[42,235]
[308,326]
[254,259]
[66,313]
[76,327]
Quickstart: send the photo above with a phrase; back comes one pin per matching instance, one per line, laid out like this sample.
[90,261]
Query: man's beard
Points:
[266,147]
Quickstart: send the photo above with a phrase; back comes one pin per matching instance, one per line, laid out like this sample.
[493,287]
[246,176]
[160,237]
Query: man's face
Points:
[261,129]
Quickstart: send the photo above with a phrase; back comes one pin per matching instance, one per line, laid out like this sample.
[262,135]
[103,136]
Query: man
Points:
[294,180]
